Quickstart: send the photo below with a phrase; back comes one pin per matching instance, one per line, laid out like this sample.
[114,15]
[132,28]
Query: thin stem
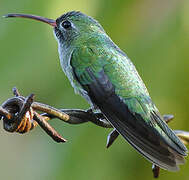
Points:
[50,110]
[48,129]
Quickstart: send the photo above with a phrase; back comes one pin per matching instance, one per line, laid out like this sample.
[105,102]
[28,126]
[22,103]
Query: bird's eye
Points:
[66,24]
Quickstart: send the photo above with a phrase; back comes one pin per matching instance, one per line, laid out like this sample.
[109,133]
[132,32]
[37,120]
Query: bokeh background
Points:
[153,33]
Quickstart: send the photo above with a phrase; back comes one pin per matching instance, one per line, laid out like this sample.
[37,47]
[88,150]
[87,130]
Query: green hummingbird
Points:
[103,74]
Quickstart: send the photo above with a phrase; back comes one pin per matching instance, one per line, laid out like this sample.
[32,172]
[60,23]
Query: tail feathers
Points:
[162,155]
[142,137]
[146,139]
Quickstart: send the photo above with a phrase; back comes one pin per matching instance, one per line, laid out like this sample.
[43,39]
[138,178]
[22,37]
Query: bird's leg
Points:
[98,118]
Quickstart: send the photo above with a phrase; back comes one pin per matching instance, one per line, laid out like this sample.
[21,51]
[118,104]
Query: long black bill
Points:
[38,18]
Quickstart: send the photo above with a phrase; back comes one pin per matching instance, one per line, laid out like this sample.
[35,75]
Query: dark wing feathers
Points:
[132,127]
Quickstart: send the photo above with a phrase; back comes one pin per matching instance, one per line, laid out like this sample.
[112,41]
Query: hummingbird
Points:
[103,74]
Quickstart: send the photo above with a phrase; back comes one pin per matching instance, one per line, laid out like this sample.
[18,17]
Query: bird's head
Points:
[76,26]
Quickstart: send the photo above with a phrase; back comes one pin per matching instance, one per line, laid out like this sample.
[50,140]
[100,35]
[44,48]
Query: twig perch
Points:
[20,114]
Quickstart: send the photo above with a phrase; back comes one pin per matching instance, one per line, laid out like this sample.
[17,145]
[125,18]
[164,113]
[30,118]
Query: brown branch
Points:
[19,114]
[47,128]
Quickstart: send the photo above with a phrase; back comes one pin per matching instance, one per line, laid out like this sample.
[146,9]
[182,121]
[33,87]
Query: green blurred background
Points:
[153,33]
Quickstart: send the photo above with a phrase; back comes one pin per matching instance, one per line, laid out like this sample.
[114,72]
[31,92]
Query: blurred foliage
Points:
[154,34]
